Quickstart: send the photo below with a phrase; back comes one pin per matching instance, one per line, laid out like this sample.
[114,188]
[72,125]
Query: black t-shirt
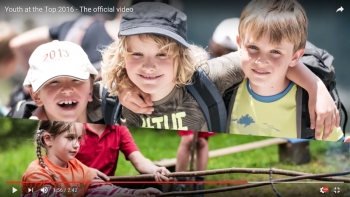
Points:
[95,38]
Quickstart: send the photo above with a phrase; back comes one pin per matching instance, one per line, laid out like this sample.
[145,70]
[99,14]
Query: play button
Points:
[14,190]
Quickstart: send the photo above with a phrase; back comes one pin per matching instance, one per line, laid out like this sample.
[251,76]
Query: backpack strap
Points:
[343,117]
[342,110]
[111,108]
[303,115]
[23,109]
[209,100]
[230,96]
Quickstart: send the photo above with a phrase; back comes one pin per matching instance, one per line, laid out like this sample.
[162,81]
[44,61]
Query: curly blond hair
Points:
[186,60]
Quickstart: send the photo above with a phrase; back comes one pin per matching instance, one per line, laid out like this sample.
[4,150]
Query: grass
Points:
[157,145]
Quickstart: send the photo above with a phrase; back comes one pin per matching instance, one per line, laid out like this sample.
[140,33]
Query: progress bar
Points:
[296,182]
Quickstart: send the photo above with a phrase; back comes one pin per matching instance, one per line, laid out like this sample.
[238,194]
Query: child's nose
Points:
[261,60]
[76,144]
[149,65]
[67,90]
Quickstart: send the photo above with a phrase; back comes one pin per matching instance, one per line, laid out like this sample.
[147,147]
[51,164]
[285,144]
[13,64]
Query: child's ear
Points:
[296,57]
[238,41]
[35,97]
[47,138]
[91,92]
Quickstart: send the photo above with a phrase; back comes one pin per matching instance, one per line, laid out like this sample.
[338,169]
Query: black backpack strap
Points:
[209,100]
[303,116]
[111,108]
[342,111]
[23,109]
[343,117]
[230,98]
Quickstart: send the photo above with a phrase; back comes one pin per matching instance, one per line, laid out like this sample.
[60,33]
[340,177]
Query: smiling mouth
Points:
[150,76]
[261,72]
[69,104]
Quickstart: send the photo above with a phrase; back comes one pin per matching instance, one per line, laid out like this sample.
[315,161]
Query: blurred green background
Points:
[17,150]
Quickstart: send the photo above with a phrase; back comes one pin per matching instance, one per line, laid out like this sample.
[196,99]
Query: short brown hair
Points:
[6,35]
[186,60]
[280,19]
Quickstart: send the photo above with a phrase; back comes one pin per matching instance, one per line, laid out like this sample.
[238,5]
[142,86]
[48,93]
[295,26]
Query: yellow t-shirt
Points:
[273,116]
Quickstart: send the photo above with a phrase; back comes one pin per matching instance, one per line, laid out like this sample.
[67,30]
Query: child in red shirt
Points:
[101,147]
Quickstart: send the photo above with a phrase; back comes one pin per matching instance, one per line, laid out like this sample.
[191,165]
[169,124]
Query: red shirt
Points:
[102,152]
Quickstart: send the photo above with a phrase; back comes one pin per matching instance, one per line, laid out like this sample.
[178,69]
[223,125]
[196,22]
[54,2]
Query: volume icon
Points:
[44,190]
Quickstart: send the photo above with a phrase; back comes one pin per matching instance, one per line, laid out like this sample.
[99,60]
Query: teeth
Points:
[67,102]
[150,77]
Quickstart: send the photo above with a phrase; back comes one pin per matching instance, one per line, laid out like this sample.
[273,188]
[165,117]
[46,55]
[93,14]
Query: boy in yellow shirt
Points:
[272,37]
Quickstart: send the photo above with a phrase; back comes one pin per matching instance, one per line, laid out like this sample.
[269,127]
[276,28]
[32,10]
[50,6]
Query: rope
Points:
[225,189]
[228,170]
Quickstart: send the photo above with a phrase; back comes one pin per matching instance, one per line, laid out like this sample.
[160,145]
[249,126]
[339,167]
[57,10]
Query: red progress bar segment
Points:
[238,182]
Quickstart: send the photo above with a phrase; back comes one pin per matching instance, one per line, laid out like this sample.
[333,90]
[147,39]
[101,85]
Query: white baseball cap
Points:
[58,59]
[226,32]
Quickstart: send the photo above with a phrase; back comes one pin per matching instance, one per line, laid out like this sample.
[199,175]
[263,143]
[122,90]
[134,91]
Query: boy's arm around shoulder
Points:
[224,71]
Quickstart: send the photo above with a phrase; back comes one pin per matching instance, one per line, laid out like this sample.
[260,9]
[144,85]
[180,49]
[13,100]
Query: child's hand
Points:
[136,100]
[323,112]
[100,174]
[159,174]
[347,139]
[147,192]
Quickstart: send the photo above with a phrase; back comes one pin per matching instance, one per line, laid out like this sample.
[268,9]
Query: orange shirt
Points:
[36,177]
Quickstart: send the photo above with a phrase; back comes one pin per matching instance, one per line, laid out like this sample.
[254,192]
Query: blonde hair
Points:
[186,60]
[280,19]
[6,35]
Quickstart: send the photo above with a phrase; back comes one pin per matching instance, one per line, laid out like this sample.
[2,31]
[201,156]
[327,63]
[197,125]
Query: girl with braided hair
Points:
[60,173]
